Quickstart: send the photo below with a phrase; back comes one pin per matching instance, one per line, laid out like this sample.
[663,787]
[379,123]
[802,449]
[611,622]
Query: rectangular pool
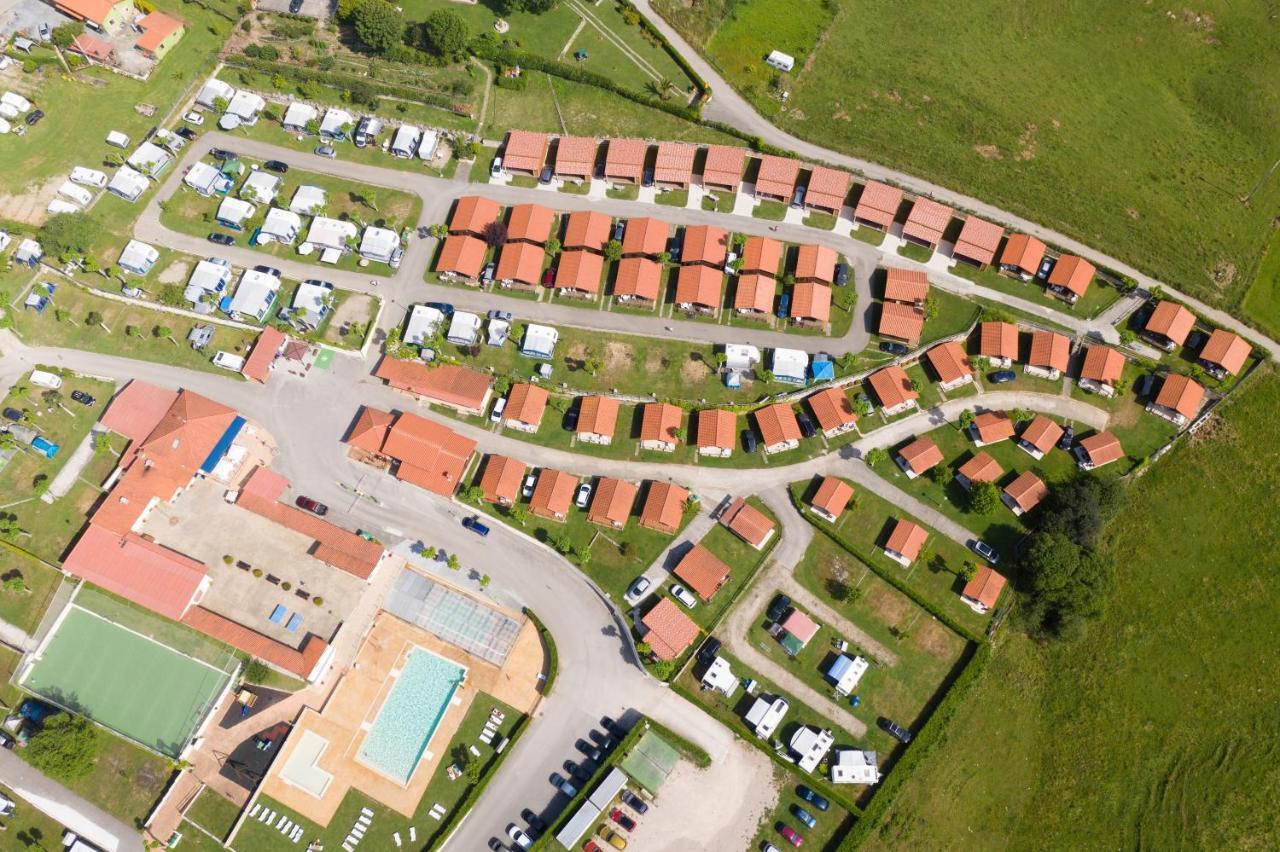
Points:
[410,714]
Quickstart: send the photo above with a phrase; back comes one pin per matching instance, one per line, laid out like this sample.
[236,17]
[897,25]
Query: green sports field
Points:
[124,681]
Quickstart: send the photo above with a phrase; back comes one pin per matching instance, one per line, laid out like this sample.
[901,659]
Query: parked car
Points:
[443,307]
[804,816]
[584,495]
[223,154]
[637,591]
[397,255]
[268,270]
[895,349]
[590,751]
[34,117]
[619,229]
[769,847]
[806,425]
[13,414]
[549,276]
[486,275]
[634,802]
[791,836]
[778,607]
[894,730]
[537,825]
[842,274]
[545,176]
[1046,266]
[82,397]
[580,771]
[608,835]
[295,6]
[1145,385]
[531,480]
[495,168]
[813,798]
[315,507]
[797,197]
[518,837]
[221,239]
[474,524]
[563,785]
[999,377]
[276,166]
[193,118]
[612,727]
[986,551]
[683,595]
[43,29]
[186,133]
[784,306]
[708,651]
[646,177]
[1068,438]
[505,316]
[326,151]
[622,819]
[748,440]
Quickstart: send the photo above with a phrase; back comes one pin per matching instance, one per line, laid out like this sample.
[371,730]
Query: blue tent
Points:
[822,371]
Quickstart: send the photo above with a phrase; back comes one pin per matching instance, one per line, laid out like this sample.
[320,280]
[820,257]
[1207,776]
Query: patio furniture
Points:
[277,614]
[295,621]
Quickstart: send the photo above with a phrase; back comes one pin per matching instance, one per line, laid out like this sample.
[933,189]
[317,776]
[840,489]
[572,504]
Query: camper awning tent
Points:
[308,200]
[423,321]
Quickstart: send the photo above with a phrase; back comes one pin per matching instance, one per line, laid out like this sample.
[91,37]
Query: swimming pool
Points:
[410,714]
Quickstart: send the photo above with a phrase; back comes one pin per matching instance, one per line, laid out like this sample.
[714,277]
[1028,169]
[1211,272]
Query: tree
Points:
[552,247]
[984,497]
[444,34]
[662,88]
[453,562]
[379,25]
[613,251]
[255,671]
[347,9]
[69,234]
[162,331]
[876,456]
[65,748]
[63,36]
[968,570]
[915,385]
[15,584]
[495,234]
[930,307]
[518,514]
[592,364]
[1066,585]
[60,315]
[473,494]
[172,295]
[966,418]
[439,230]
[1080,508]
[93,318]
[1021,415]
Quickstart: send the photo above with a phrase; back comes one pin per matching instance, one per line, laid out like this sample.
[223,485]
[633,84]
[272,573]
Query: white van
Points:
[498,407]
[227,361]
[46,380]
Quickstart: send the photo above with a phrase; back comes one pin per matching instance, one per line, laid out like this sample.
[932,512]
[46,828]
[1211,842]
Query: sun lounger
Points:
[396,838]
[351,839]
[357,833]
[284,825]
[364,820]
[257,806]
[296,834]
[346,847]
[295,621]
[271,822]
[475,751]
[366,812]
[262,817]
[413,834]
[435,816]
[277,614]
[486,738]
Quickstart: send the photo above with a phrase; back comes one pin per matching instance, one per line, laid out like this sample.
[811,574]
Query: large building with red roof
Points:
[673,166]
[525,152]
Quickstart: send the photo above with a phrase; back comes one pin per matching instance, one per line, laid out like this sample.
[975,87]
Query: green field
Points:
[1122,124]
[1262,302]
[1157,729]
[124,681]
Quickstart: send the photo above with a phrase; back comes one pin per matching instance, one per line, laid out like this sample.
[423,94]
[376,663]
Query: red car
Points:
[623,820]
[310,505]
[792,836]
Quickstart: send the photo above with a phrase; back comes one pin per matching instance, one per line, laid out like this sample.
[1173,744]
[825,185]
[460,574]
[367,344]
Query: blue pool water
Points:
[410,714]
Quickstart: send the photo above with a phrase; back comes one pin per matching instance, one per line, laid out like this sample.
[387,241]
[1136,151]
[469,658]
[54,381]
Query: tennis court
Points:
[125,681]
[650,761]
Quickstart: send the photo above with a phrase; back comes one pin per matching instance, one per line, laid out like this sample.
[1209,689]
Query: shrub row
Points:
[338,80]
[553,656]
[704,90]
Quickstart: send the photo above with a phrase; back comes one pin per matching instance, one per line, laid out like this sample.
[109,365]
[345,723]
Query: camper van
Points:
[780,60]
[46,380]
[227,361]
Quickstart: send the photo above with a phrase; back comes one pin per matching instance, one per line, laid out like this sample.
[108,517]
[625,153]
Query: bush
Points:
[65,748]
[256,671]
[318,601]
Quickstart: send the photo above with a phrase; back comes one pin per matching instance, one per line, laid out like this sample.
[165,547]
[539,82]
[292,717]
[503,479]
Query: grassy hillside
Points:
[1137,129]
[1158,729]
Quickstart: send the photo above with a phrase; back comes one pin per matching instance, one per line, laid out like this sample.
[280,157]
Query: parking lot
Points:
[24,17]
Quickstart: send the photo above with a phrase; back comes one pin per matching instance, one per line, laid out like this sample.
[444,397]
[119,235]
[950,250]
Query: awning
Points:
[224,443]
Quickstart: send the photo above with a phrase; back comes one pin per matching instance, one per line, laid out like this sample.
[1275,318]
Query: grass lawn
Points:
[1097,298]
[1157,775]
[625,192]
[720,202]
[673,197]
[28,827]
[743,561]
[870,236]
[915,252]
[822,221]
[1262,302]
[864,527]
[1140,433]
[213,813]
[774,211]
[831,823]
[954,315]
[45,330]
[24,608]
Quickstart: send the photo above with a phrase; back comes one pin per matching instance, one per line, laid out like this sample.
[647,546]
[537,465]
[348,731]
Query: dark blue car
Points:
[473,523]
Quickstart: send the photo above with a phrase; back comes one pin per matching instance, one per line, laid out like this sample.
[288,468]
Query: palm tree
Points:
[662,88]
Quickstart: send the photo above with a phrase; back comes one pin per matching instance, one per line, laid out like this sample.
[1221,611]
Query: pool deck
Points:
[344,720]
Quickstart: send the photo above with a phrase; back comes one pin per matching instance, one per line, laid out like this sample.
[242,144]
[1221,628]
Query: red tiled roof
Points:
[705,244]
[257,367]
[927,221]
[1023,251]
[816,263]
[462,254]
[156,27]
[761,254]
[526,404]
[827,188]
[905,285]
[981,468]
[978,240]
[698,285]
[949,361]
[266,483]
[892,386]
[90,10]
[611,504]
[921,454]
[186,435]
[902,322]
[160,579]
[553,493]
[472,213]
[530,223]
[1102,448]
[716,428]
[370,429]
[1102,364]
[639,278]
[777,424]
[832,408]
[431,455]
[1226,349]
[660,421]
[139,485]
[907,538]
[1027,491]
[576,156]
[754,292]
[501,479]
[663,507]
[702,571]
[1049,349]
[832,496]
[1172,320]
[985,587]
[597,415]
[723,166]
[587,229]
[520,262]
[136,410]
[93,47]
[674,163]
[579,270]
[747,522]
[300,661]
[777,176]
[525,151]
[669,632]
[811,301]
[645,236]
[998,340]
[1042,433]
[1072,273]
[448,383]
[1181,394]
[624,158]
[878,204]
[993,426]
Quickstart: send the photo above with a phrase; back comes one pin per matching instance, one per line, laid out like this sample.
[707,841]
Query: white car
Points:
[193,118]
[529,481]
[683,595]
[521,839]
[584,494]
[637,591]
[498,408]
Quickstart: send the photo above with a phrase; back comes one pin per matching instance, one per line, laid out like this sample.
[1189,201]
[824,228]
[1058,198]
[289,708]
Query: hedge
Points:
[704,89]
[695,753]
[928,738]
[553,657]
[340,80]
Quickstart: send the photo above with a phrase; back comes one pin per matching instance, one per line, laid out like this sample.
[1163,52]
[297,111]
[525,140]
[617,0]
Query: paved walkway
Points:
[66,477]
[661,569]
[66,808]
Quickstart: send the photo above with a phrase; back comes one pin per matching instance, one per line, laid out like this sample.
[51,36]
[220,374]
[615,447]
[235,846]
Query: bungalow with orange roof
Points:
[1050,353]
[578,274]
[667,631]
[991,427]
[778,428]
[983,591]
[901,322]
[907,286]
[1224,353]
[1040,436]
[761,254]
[833,411]
[472,214]
[776,178]
[894,388]
[702,571]
[461,256]
[747,523]
[722,168]
[715,431]
[520,265]
[1169,325]
[926,222]
[588,230]
[705,244]
[877,205]
[1070,278]
[367,433]
[905,542]
[576,157]
[811,304]
[103,15]
[918,457]
[1101,369]
[530,223]
[980,468]
[660,426]
[427,454]
[553,494]
[998,341]
[1098,450]
[612,502]
[1024,493]
[754,292]
[1021,256]
[500,482]
[526,403]
[831,498]
[816,263]
[663,508]
[639,279]
[597,419]
[698,288]
[978,242]
[827,190]
[160,32]
[645,237]
[950,364]
[525,152]
[1178,400]
[673,166]
[257,367]
[624,160]
[460,388]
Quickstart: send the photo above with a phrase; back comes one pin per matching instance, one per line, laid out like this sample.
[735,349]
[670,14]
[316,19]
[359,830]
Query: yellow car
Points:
[611,837]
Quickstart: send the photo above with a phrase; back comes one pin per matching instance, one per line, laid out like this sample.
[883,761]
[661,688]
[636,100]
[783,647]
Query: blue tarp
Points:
[49,448]
[822,371]
[224,444]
